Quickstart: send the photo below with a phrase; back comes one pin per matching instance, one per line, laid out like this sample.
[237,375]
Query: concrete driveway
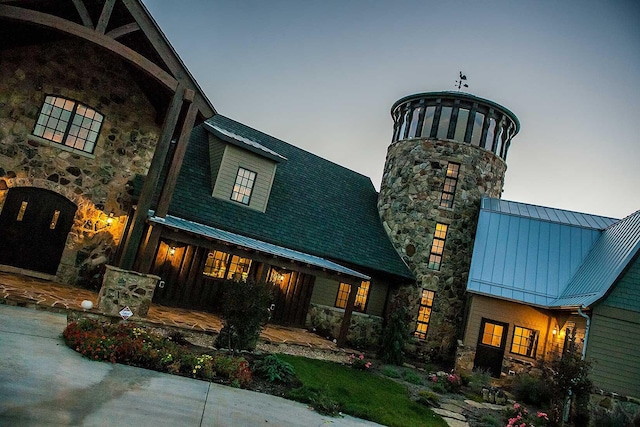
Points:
[44,383]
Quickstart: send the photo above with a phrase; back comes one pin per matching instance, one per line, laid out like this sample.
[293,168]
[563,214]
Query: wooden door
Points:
[292,297]
[34,224]
[492,341]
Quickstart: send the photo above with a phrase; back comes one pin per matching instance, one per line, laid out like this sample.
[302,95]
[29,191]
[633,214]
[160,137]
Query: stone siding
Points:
[364,332]
[122,288]
[96,184]
[409,208]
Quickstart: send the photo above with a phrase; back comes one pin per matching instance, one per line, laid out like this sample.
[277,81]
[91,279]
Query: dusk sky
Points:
[322,75]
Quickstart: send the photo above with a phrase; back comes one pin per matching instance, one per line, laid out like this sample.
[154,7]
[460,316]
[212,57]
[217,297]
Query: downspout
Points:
[586,331]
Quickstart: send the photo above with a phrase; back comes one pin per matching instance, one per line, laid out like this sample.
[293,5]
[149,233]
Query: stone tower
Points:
[448,150]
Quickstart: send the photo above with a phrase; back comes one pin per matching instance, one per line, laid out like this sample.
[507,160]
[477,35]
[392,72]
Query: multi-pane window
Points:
[243,186]
[424,314]
[361,297]
[492,334]
[437,247]
[450,182]
[525,341]
[68,123]
[222,265]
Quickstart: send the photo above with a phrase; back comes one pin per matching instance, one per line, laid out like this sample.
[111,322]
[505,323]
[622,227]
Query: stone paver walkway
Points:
[16,289]
[453,411]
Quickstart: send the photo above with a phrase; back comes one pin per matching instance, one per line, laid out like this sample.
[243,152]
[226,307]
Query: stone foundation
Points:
[364,332]
[122,288]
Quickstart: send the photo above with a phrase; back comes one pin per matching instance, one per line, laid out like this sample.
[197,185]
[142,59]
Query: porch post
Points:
[132,241]
[346,319]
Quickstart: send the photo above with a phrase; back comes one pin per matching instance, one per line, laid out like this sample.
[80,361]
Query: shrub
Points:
[411,377]
[395,333]
[480,378]
[359,362]
[274,369]
[518,415]
[245,312]
[390,372]
[530,389]
[569,375]
[448,382]
[489,420]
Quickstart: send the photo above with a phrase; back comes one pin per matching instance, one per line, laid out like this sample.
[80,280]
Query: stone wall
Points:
[96,184]
[364,332]
[409,208]
[122,288]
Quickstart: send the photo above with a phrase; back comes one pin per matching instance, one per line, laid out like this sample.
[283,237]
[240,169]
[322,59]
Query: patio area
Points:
[30,292]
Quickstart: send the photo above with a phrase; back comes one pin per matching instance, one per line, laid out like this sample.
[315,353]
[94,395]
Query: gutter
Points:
[586,331]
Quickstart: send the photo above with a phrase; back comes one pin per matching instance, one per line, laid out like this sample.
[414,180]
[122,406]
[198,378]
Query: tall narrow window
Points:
[461,125]
[243,186]
[524,341]
[361,297]
[437,247]
[443,124]
[414,122]
[426,303]
[476,135]
[450,183]
[68,123]
[427,123]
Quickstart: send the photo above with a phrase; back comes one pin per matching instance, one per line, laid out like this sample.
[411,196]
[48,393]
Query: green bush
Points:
[411,377]
[274,369]
[530,389]
[480,378]
[390,372]
[396,333]
[438,387]
[489,420]
[245,312]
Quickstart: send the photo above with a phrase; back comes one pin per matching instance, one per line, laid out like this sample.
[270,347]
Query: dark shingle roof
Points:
[315,206]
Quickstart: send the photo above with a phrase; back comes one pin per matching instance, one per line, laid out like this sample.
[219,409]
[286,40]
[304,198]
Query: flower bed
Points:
[130,344]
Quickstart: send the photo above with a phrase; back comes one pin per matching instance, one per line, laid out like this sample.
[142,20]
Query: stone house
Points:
[537,275]
[91,94]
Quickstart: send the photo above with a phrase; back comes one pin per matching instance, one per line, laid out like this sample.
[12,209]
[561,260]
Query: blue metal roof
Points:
[257,245]
[559,216]
[617,247]
[548,257]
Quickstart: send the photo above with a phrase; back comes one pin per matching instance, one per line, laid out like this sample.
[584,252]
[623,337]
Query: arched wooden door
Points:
[34,224]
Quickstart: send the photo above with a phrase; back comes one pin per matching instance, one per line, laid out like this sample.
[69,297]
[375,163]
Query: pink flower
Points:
[516,405]
[542,415]
[367,365]
[361,356]
[434,378]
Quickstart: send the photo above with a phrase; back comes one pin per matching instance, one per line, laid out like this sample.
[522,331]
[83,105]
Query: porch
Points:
[198,327]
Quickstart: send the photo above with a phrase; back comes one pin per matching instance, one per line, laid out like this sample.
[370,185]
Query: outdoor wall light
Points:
[172,251]
[555,331]
[110,218]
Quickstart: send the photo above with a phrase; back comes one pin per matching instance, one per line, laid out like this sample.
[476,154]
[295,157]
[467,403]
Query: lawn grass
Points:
[361,393]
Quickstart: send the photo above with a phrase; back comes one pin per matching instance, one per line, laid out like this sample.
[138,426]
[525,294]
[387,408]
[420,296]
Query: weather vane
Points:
[461,82]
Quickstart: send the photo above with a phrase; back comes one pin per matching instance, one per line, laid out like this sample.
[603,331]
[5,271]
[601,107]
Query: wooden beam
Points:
[178,156]
[168,54]
[84,13]
[348,311]
[148,251]
[68,27]
[151,182]
[105,16]
[123,30]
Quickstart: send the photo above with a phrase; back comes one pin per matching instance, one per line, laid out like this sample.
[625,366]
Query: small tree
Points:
[570,384]
[396,332]
[245,312]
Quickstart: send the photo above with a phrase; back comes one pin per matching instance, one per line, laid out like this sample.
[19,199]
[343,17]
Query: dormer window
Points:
[68,123]
[243,186]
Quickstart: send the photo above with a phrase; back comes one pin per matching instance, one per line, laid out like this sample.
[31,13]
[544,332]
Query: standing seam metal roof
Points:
[549,257]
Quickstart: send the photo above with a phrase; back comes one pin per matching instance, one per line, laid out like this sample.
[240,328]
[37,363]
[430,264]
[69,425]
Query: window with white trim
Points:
[243,186]
[68,123]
